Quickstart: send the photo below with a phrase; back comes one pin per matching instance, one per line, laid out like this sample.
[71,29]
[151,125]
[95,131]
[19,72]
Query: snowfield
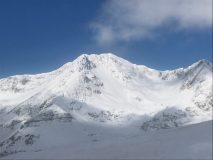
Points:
[79,141]
[102,106]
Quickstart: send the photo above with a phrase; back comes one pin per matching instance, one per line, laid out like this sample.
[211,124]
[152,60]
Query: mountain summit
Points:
[101,90]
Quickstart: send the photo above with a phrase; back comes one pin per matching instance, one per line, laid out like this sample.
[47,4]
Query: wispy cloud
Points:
[124,20]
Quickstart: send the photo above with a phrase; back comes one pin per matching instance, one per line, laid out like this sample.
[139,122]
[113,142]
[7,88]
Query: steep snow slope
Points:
[102,90]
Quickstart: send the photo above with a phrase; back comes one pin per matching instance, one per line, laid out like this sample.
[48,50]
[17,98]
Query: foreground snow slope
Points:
[189,142]
[104,92]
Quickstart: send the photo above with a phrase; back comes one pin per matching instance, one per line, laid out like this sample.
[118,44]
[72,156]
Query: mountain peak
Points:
[202,63]
[84,62]
[98,56]
[90,61]
[101,58]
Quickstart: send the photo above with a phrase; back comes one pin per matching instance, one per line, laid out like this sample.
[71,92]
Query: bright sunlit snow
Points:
[104,106]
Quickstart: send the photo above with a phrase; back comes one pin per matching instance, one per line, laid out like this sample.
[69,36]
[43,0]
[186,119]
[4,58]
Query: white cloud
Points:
[135,19]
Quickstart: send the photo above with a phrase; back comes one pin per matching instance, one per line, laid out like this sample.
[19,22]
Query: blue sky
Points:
[41,35]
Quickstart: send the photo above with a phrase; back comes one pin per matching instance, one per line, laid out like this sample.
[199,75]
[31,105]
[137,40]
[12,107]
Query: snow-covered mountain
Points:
[95,95]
